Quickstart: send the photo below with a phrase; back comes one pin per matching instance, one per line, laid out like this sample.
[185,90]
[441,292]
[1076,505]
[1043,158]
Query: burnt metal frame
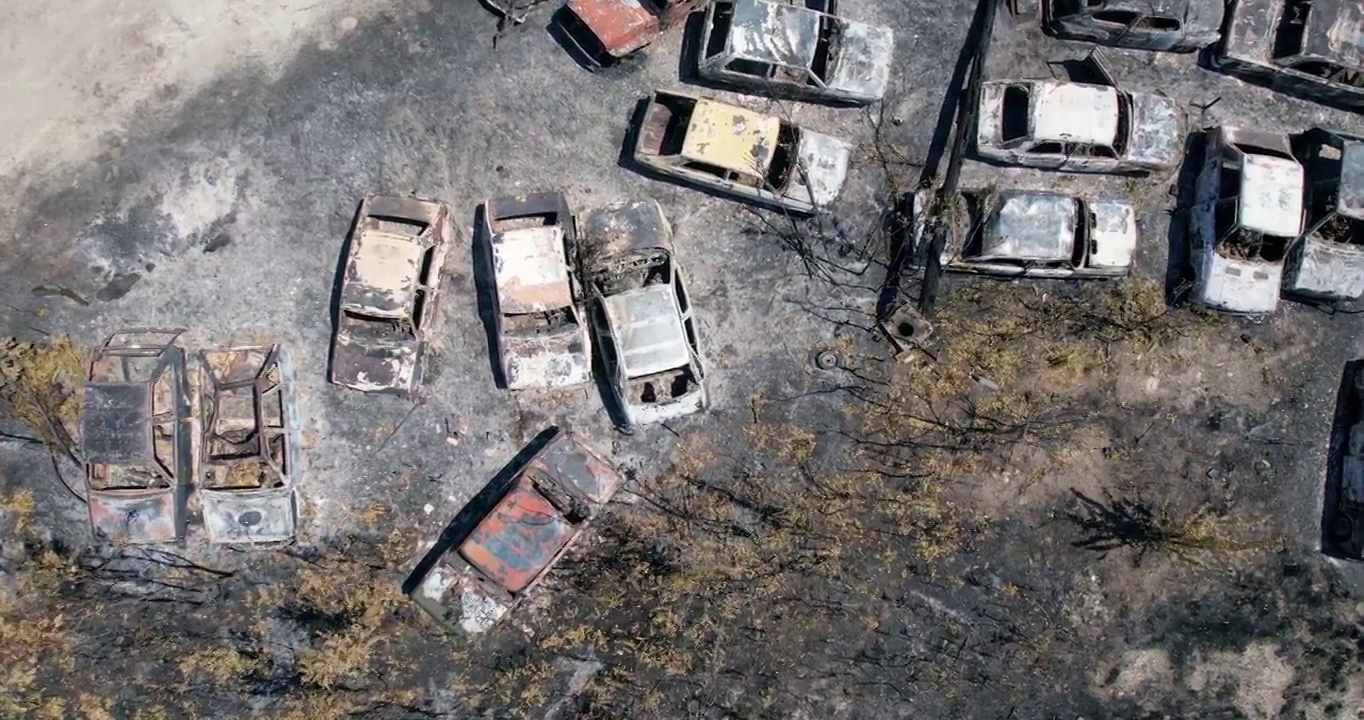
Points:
[261,389]
[165,418]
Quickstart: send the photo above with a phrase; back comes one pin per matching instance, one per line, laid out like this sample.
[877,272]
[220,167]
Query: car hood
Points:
[824,160]
[1239,286]
[1157,135]
[862,66]
[548,361]
[374,366]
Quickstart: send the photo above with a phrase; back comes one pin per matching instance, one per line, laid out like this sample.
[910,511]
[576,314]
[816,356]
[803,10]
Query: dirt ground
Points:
[1086,505]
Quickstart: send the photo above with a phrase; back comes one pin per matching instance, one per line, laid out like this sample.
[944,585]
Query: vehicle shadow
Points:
[468,517]
[339,281]
[1346,409]
[485,293]
[1179,269]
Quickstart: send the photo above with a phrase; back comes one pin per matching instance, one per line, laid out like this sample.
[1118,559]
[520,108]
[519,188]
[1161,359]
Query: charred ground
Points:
[1080,502]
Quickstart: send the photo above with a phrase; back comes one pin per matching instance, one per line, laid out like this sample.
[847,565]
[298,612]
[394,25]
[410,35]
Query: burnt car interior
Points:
[1235,241]
[1099,11]
[364,326]
[1289,48]
[130,424]
[548,322]
[825,44]
[244,430]
[1323,194]
[663,387]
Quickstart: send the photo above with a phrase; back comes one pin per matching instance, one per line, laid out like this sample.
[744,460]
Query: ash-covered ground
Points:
[769,558]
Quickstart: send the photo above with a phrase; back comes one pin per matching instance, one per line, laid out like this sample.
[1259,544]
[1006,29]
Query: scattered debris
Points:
[798,50]
[738,151]
[389,294]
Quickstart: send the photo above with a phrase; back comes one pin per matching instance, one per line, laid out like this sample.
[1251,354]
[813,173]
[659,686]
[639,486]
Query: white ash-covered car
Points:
[1327,262]
[1312,49]
[1033,234]
[540,513]
[390,289]
[729,148]
[1166,25]
[542,340]
[642,315]
[134,437]
[1247,211]
[1077,127]
[250,451]
[797,50]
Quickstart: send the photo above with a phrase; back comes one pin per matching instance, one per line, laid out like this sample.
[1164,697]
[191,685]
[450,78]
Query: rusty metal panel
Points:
[621,26]
[136,516]
[576,466]
[115,422]
[519,539]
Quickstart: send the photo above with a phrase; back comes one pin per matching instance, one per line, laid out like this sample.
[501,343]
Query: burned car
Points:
[1313,49]
[741,152]
[1077,127]
[642,315]
[607,30]
[135,437]
[541,338]
[389,294]
[1247,211]
[1343,507]
[542,511]
[249,457]
[1032,233]
[1327,262]
[1170,25]
[796,50]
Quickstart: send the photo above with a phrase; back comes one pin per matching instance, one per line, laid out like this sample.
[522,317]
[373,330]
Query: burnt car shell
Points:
[1343,508]
[545,508]
[250,455]
[389,294]
[134,437]
[1327,262]
[1313,50]
[1162,25]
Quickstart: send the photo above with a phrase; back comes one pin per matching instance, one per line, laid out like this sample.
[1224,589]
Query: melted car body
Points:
[390,290]
[642,315]
[1248,202]
[135,437]
[1024,233]
[1327,262]
[250,454]
[757,157]
[795,50]
[1170,25]
[542,340]
[1077,127]
[543,510]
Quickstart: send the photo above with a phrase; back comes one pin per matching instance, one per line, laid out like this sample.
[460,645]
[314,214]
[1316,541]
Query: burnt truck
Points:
[390,289]
[604,31]
[542,511]
[1312,49]
[1162,25]
[1327,262]
[1248,210]
[250,453]
[642,315]
[135,437]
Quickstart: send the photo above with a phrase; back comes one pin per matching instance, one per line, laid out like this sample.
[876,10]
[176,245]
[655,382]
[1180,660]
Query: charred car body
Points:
[1327,262]
[607,30]
[642,315]
[544,510]
[741,152]
[250,454]
[1077,127]
[1343,511]
[389,294]
[1024,233]
[1171,25]
[1247,211]
[542,340]
[1313,49]
[792,50]
[135,437]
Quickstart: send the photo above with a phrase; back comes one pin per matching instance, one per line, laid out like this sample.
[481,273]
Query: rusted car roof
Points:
[619,25]
[381,275]
[1031,226]
[730,137]
[648,330]
[531,271]
[1074,112]
[515,542]
[1271,195]
[774,33]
